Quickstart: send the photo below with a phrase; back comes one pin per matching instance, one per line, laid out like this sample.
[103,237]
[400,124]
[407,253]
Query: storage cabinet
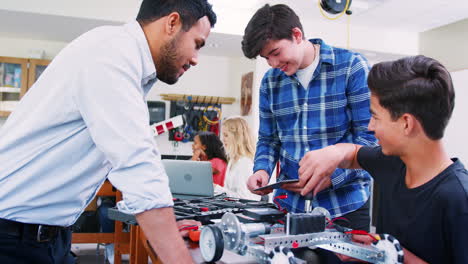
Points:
[17,75]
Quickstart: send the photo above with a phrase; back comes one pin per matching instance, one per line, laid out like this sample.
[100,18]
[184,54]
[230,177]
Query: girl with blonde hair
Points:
[240,151]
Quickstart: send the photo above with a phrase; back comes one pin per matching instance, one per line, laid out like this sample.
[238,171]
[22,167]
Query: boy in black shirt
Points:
[424,193]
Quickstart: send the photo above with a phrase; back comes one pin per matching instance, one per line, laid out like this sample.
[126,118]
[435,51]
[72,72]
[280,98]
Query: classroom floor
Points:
[89,254]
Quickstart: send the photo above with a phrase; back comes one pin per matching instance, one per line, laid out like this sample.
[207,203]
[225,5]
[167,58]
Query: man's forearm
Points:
[349,158]
[161,230]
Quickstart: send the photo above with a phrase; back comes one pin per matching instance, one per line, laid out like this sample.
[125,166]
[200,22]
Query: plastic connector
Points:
[194,235]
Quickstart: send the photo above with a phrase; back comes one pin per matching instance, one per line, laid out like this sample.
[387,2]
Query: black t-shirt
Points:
[431,220]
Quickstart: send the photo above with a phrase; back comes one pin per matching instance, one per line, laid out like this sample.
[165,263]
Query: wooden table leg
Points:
[141,256]
[117,242]
[133,242]
[148,249]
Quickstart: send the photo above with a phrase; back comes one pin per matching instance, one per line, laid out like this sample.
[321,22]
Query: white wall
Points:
[365,38]
[113,10]
[447,44]
[213,76]
[261,67]
[455,137]
[16,47]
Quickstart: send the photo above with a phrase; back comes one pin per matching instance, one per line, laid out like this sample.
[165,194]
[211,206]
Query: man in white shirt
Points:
[85,120]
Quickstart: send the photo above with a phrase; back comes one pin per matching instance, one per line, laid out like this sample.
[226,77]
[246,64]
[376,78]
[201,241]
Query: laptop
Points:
[189,179]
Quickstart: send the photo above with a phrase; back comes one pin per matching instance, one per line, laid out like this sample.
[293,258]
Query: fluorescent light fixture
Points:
[235,14]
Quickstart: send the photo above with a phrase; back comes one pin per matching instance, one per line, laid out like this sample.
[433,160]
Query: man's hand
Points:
[259,179]
[160,228]
[315,169]
[186,225]
[298,187]
[317,166]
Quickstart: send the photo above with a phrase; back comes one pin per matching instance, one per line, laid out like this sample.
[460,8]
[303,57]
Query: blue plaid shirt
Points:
[296,119]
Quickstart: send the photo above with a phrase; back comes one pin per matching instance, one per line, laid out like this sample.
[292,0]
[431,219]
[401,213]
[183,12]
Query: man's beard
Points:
[166,68]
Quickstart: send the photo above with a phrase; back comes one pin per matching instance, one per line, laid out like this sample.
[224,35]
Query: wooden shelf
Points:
[29,74]
[206,99]
[10,90]
[8,106]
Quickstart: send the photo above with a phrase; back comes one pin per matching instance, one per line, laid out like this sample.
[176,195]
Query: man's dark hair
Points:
[269,23]
[190,11]
[418,85]
[214,146]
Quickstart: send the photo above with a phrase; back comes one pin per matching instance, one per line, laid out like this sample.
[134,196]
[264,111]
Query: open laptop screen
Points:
[189,178]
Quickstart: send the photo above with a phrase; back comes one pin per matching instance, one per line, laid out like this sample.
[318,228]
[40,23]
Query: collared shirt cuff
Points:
[337,180]
[338,177]
[133,206]
[262,166]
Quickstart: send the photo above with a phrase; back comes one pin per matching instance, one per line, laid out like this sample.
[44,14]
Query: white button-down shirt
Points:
[235,182]
[85,119]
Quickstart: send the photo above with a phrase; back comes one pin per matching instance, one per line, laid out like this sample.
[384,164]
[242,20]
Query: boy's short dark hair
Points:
[268,23]
[418,85]
[190,11]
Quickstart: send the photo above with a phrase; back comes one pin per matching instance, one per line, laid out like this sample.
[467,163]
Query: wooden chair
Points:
[120,239]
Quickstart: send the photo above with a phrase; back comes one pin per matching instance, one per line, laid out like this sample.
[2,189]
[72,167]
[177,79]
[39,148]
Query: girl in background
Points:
[240,150]
[208,147]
